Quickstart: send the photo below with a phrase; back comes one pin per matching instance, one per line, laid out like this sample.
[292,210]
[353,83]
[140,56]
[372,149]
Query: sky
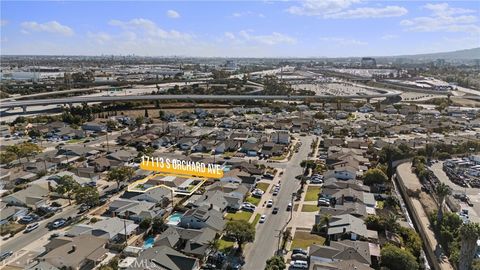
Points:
[263,28]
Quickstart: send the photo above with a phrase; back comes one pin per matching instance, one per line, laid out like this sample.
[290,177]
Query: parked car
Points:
[299,251]
[5,255]
[31,227]
[324,202]
[248,207]
[270,203]
[275,210]
[262,219]
[58,223]
[257,192]
[299,256]
[27,219]
[299,264]
[275,192]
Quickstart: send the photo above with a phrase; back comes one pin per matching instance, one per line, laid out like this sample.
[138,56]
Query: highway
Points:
[107,99]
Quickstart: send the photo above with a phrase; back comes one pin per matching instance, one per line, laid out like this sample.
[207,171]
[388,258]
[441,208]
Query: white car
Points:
[299,264]
[31,227]
[262,219]
[270,203]
[248,207]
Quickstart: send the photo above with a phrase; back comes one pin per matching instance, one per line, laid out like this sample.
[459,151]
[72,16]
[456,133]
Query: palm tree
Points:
[469,234]
[286,236]
[213,245]
[391,223]
[325,221]
[442,190]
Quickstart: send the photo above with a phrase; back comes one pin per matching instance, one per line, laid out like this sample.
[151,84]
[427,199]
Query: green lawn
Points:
[305,239]
[225,245]
[253,200]
[263,186]
[310,208]
[239,215]
[256,219]
[74,141]
[312,193]
[282,157]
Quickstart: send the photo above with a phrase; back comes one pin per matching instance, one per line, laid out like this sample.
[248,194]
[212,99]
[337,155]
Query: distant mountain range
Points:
[467,54]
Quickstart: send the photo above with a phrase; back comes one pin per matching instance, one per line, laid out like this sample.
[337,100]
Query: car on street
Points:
[83,208]
[275,210]
[262,219]
[31,227]
[5,255]
[299,264]
[58,223]
[289,207]
[270,203]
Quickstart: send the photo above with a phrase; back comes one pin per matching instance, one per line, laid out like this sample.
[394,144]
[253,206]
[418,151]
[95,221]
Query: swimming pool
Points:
[148,243]
[174,218]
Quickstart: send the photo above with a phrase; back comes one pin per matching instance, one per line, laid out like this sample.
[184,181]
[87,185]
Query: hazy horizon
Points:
[270,29]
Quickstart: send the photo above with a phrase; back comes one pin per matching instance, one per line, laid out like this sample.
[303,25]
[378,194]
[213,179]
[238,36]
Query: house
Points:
[220,200]
[251,149]
[33,196]
[134,210]
[201,217]
[339,265]
[81,252]
[348,226]
[272,149]
[161,195]
[162,257]
[342,173]
[193,242]
[187,143]
[8,213]
[281,137]
[112,229]
[344,250]
[95,127]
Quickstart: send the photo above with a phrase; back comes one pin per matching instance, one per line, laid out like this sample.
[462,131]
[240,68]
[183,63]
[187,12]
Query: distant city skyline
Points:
[328,28]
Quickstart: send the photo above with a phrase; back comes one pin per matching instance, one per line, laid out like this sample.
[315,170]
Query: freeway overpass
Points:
[110,99]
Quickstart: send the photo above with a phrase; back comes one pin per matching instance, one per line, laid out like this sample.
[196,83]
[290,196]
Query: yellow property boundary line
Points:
[132,187]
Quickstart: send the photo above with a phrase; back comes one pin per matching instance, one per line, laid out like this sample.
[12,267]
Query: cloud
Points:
[342,9]
[173,14]
[229,35]
[274,38]
[100,37]
[389,37]
[247,14]
[3,22]
[343,41]
[149,29]
[368,12]
[50,27]
[443,18]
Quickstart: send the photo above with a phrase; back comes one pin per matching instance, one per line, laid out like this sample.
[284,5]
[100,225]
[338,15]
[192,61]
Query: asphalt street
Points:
[266,238]
[21,240]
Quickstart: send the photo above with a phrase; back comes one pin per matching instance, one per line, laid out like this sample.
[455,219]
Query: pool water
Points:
[148,243]
[174,218]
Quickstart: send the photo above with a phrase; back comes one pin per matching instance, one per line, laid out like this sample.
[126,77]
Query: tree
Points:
[395,258]
[139,121]
[120,174]
[286,236]
[68,186]
[213,245]
[87,195]
[157,224]
[325,221]
[374,176]
[390,223]
[469,234]
[442,190]
[275,263]
[241,230]
[145,224]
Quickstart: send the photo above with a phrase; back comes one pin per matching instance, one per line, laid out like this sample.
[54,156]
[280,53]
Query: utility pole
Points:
[108,149]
